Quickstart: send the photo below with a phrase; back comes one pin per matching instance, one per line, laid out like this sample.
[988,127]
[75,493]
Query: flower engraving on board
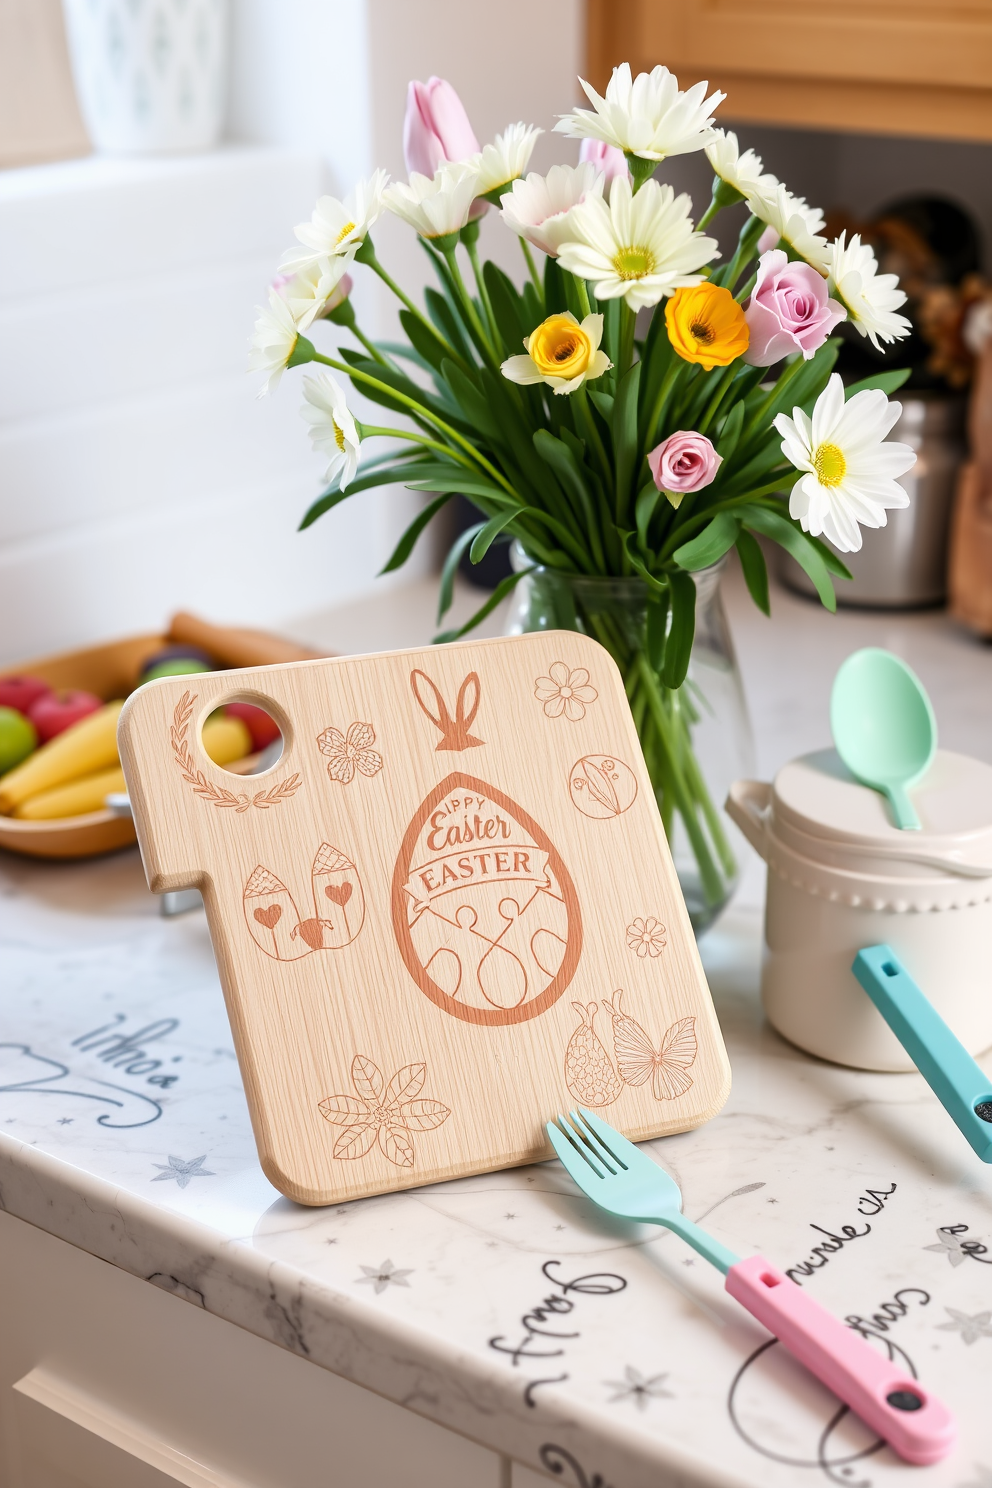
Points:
[565,691]
[647,937]
[349,752]
[382,1113]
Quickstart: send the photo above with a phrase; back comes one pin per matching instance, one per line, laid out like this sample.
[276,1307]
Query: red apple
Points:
[58,711]
[22,692]
[263,729]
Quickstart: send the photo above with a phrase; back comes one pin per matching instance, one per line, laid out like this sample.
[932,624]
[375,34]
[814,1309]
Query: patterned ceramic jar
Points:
[841,876]
[150,74]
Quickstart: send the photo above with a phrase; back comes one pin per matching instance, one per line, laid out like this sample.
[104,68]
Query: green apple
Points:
[178,666]
[18,738]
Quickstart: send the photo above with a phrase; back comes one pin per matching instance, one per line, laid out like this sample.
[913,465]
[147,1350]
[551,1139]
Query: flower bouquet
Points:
[628,413]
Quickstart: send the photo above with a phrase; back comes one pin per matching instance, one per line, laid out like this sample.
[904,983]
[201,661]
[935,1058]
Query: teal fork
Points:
[624,1181]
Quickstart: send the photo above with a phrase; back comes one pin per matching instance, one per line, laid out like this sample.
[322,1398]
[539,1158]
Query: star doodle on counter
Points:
[559,1227]
[183,1172]
[380,1277]
[66,1120]
[509,1216]
[971,1327]
[953,1246]
[639,1388]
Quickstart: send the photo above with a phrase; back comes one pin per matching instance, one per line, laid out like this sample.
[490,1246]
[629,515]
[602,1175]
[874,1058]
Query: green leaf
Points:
[447,322]
[887,382]
[503,588]
[508,309]
[731,431]
[755,570]
[603,404]
[678,647]
[423,340]
[625,447]
[709,546]
[781,530]
[492,530]
[555,299]
[644,509]
[830,559]
[408,541]
[331,499]
[446,592]
[474,408]
[656,627]
[657,586]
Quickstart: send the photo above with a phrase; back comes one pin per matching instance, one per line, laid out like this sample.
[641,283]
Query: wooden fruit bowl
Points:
[110,672]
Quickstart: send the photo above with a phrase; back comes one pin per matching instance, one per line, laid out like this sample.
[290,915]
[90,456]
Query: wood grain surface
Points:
[446,914]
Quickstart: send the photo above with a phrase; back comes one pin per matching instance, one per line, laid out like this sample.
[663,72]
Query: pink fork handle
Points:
[913,1422]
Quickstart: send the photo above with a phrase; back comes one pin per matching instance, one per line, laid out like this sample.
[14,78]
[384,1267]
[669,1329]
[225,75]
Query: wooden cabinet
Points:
[920,67]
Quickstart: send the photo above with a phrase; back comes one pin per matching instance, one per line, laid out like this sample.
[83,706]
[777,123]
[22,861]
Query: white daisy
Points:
[742,172]
[507,158]
[314,291]
[537,208]
[338,228]
[273,341]
[641,247]
[647,116]
[795,221]
[872,299]
[437,205]
[851,470]
[332,428]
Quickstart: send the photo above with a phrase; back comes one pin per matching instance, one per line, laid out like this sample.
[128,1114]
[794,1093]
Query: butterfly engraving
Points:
[639,1061]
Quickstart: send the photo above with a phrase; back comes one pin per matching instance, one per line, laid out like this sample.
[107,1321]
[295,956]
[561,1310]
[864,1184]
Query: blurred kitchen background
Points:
[138,472]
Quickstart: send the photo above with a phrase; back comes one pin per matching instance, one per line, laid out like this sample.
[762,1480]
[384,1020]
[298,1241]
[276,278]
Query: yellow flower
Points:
[706,325]
[561,353]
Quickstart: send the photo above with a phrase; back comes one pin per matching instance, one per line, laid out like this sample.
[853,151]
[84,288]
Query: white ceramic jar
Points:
[841,876]
[150,74]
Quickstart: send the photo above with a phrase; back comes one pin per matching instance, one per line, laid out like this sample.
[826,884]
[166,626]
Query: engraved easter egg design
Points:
[602,786]
[484,910]
[589,1072]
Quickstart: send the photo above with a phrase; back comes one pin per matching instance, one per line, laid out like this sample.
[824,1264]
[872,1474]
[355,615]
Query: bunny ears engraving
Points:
[455,734]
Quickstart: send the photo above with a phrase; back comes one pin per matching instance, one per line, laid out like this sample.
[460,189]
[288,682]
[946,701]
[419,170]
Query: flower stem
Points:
[472,315]
[377,431]
[367,255]
[421,412]
[628,321]
[583,295]
[531,267]
[581,402]
[472,250]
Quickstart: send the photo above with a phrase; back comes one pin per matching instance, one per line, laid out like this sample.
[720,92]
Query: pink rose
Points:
[683,462]
[789,310]
[436,127]
[607,158]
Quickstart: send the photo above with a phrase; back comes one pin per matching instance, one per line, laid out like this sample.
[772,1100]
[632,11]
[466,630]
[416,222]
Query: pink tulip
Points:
[789,310]
[607,158]
[769,239]
[684,462]
[436,127]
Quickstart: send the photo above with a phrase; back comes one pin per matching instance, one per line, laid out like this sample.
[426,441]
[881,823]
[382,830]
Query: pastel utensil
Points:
[963,1089]
[884,727]
[624,1181]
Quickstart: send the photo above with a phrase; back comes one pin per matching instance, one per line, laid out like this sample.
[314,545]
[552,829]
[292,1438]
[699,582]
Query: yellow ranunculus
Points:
[706,325]
[561,353]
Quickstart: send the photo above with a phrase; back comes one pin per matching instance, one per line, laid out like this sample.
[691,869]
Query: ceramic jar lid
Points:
[838,837]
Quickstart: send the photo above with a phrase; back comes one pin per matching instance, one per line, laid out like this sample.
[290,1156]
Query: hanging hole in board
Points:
[244,735]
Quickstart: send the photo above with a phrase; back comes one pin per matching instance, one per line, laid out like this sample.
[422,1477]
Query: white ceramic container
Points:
[150,74]
[841,876]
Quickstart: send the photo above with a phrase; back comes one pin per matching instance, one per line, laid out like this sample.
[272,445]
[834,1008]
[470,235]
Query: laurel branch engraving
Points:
[218,794]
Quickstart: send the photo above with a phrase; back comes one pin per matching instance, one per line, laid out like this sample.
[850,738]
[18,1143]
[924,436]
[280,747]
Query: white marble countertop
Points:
[507,1307]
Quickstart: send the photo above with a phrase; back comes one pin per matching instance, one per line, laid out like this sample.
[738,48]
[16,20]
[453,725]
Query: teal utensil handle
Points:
[941,1059]
[902,808]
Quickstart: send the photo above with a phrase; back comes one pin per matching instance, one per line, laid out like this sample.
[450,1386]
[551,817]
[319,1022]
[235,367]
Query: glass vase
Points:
[696,738]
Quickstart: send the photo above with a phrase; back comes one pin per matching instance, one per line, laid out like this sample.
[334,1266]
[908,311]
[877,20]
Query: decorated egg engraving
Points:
[485,912]
[602,786]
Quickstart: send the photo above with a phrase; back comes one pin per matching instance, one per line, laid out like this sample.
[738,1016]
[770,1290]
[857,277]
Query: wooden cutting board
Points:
[446,914]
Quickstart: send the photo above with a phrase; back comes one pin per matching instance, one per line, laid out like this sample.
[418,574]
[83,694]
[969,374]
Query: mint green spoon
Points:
[883,727]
